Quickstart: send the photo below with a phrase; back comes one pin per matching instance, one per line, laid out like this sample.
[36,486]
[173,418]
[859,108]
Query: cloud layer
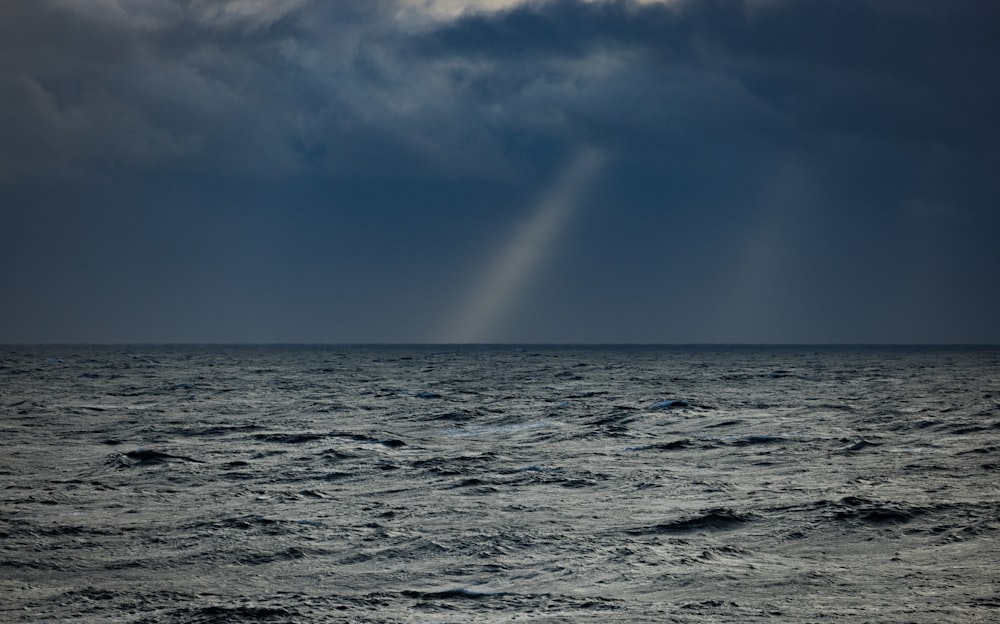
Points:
[342,87]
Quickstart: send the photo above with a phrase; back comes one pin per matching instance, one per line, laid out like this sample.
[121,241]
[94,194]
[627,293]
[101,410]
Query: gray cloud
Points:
[906,71]
[297,86]
[136,85]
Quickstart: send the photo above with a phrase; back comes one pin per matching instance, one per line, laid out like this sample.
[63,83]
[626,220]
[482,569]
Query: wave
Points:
[710,520]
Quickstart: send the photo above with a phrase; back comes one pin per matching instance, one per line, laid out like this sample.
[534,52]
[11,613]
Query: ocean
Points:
[499,484]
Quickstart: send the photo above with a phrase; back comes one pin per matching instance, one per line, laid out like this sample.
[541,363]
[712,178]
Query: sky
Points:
[564,171]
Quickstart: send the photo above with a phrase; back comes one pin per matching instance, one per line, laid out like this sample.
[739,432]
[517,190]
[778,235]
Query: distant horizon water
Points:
[503,344]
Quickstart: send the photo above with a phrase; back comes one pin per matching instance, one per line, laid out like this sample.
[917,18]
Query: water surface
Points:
[499,484]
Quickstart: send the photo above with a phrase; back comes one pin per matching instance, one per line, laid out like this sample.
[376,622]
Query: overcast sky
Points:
[684,171]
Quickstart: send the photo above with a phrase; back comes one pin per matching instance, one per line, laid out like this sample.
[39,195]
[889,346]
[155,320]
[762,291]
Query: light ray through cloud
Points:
[497,290]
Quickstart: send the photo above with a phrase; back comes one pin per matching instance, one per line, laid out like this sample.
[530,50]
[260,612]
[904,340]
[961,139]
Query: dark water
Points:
[440,484]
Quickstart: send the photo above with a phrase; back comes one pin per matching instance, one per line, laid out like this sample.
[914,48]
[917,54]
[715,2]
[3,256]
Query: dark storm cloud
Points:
[264,89]
[899,70]
[345,88]
[154,83]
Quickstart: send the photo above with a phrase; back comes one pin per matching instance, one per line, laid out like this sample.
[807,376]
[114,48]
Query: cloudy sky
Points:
[677,171]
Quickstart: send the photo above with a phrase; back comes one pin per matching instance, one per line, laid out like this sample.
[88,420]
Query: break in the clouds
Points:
[771,170]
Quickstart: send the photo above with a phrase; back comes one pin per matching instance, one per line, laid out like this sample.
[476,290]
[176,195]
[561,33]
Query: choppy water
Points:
[214,484]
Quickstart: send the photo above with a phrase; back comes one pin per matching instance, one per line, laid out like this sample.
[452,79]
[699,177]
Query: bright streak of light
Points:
[498,289]
[451,9]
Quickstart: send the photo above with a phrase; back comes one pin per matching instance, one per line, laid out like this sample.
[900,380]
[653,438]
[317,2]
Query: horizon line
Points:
[489,344]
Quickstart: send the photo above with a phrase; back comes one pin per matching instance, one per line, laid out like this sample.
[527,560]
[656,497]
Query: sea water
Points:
[499,484]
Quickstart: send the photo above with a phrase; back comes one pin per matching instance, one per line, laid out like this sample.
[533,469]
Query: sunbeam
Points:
[497,290]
